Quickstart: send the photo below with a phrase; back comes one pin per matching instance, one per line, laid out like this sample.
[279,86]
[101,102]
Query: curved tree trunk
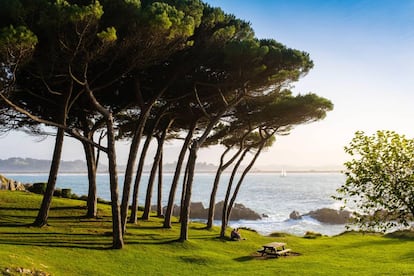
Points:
[117,234]
[130,165]
[221,168]
[185,208]
[211,208]
[174,184]
[43,213]
[147,207]
[134,206]
[228,192]
[145,112]
[236,190]
[91,202]
[159,194]
[183,188]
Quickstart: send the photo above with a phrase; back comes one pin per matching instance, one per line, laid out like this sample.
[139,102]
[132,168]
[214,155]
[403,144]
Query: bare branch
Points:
[74,78]
[222,97]
[199,102]
[35,118]
[49,89]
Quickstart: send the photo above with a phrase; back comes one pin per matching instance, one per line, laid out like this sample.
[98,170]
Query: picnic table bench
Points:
[275,249]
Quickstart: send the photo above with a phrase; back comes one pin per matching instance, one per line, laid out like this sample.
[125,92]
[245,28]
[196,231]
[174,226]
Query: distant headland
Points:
[32,165]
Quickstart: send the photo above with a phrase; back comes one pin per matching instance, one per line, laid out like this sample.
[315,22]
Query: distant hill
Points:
[30,165]
[17,164]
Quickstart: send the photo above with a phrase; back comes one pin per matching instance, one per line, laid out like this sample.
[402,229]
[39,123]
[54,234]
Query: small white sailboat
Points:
[283,173]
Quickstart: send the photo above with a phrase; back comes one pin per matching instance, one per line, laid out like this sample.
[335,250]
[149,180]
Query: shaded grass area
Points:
[72,245]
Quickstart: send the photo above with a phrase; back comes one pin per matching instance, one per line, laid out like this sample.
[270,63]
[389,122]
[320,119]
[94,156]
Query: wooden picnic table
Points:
[274,248]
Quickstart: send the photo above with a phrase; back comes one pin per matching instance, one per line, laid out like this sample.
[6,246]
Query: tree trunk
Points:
[183,188]
[117,234]
[211,208]
[134,208]
[159,195]
[147,207]
[43,213]
[130,165]
[236,190]
[91,165]
[221,168]
[145,112]
[185,208]
[174,184]
[228,192]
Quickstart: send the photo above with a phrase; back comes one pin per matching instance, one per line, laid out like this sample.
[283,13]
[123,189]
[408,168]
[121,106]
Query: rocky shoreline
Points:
[239,211]
[10,184]
[325,215]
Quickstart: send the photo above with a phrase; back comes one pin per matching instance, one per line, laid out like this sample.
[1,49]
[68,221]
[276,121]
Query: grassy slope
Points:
[72,245]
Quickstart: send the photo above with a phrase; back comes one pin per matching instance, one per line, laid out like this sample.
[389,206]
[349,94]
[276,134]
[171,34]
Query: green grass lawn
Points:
[73,245]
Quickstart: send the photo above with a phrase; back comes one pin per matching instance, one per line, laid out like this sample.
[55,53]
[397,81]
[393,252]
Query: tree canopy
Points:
[121,65]
[380,180]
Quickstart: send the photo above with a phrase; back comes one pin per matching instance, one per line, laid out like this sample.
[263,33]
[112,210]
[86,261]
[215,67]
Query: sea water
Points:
[269,194]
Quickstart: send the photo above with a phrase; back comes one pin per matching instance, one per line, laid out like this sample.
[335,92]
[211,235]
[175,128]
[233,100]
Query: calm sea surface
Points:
[266,193]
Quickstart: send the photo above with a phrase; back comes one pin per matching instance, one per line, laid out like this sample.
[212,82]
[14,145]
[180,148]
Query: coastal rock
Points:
[10,184]
[197,210]
[295,215]
[239,211]
[330,216]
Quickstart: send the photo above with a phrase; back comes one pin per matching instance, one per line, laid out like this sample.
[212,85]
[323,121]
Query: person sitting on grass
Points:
[235,235]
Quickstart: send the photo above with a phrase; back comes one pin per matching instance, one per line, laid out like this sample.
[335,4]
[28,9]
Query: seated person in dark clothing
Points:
[235,235]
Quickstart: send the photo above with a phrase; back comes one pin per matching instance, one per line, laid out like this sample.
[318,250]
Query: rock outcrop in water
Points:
[239,211]
[10,184]
[325,215]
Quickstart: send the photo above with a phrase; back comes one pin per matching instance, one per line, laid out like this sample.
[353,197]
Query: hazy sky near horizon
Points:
[364,63]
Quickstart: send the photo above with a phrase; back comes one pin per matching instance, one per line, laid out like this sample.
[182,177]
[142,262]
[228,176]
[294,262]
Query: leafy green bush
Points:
[57,192]
[100,200]
[38,188]
[312,235]
[278,234]
[83,197]
[66,193]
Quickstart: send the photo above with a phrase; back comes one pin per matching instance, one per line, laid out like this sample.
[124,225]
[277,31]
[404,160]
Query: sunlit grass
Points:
[73,245]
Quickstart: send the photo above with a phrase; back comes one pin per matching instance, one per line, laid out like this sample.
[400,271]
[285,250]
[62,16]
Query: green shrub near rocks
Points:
[312,235]
[38,188]
[57,192]
[66,193]
[83,197]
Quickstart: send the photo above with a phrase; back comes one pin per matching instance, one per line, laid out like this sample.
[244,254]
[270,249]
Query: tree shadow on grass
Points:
[68,208]
[244,258]
[55,239]
[16,221]
[154,242]
[18,209]
[15,224]
[401,235]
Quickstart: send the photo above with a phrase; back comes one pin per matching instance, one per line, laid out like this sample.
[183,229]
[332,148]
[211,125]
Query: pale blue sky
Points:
[364,63]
